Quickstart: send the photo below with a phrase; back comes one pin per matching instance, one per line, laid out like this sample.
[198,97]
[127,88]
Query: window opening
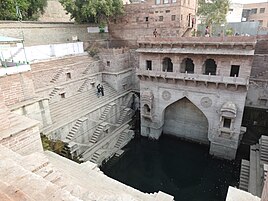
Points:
[167,65]
[148,65]
[226,123]
[187,65]
[210,67]
[68,75]
[62,95]
[234,71]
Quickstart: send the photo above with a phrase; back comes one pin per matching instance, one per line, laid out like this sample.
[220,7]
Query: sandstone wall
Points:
[17,88]
[258,89]
[140,19]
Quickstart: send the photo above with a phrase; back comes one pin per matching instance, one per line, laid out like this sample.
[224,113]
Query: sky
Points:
[248,1]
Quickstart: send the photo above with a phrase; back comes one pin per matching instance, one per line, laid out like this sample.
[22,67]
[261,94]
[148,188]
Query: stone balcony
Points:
[185,77]
[235,45]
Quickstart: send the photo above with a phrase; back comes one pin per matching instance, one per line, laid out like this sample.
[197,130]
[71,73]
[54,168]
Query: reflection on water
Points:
[183,169]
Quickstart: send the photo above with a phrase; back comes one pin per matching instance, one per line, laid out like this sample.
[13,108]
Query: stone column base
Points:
[222,151]
[153,133]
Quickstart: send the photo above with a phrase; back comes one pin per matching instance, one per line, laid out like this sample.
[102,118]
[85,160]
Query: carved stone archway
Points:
[185,120]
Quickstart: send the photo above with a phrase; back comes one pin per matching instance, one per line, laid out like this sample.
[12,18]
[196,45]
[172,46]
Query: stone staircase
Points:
[91,66]
[96,156]
[65,151]
[97,133]
[46,176]
[254,171]
[120,140]
[53,92]
[56,76]
[264,148]
[244,175]
[123,116]
[83,85]
[74,129]
[105,112]
[70,108]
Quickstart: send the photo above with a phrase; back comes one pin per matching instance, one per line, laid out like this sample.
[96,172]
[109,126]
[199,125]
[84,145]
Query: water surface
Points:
[182,169]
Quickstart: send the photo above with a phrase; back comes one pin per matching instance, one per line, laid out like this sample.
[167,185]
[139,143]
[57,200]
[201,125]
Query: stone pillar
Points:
[223,148]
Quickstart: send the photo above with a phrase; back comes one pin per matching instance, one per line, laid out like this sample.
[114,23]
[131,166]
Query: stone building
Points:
[168,17]
[256,12]
[195,90]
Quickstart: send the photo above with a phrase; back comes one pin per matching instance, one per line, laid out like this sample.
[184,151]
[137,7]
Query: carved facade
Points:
[198,89]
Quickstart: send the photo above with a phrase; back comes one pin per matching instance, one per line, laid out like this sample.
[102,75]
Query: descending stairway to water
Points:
[78,105]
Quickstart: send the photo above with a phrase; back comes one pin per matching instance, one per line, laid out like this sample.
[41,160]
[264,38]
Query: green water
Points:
[182,169]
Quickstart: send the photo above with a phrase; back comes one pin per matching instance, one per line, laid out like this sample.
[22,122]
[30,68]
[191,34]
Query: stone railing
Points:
[194,77]
[201,40]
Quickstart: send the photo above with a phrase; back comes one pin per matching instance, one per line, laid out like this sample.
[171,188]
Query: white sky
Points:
[248,1]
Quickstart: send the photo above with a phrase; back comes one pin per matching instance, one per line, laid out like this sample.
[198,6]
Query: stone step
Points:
[83,103]
[61,116]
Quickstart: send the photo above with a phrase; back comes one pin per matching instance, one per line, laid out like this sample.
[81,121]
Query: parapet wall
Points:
[38,33]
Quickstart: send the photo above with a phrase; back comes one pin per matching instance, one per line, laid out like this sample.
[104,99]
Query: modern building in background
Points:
[235,12]
[256,12]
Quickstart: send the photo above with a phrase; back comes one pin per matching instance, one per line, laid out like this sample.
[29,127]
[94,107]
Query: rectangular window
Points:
[156,11]
[148,65]
[226,123]
[262,10]
[234,71]
[161,18]
[181,17]
[173,17]
[165,1]
[62,95]
[167,11]
[68,76]
[157,1]
[137,19]
[261,22]
[146,19]
[253,11]
[108,63]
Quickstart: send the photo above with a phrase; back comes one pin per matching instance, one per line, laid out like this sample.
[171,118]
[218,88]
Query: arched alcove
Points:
[183,119]
[210,66]
[167,65]
[146,109]
[187,64]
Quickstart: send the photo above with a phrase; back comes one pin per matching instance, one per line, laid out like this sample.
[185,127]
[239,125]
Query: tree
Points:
[92,10]
[25,9]
[213,11]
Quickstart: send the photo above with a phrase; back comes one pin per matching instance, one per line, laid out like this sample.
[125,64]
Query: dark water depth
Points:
[182,169]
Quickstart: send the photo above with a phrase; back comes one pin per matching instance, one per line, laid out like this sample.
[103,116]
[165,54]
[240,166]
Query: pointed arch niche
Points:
[183,119]
[187,65]
[210,67]
[167,64]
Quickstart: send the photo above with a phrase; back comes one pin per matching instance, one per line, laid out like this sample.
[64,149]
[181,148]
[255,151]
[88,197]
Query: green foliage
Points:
[214,12]
[52,145]
[92,10]
[93,51]
[229,32]
[29,9]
